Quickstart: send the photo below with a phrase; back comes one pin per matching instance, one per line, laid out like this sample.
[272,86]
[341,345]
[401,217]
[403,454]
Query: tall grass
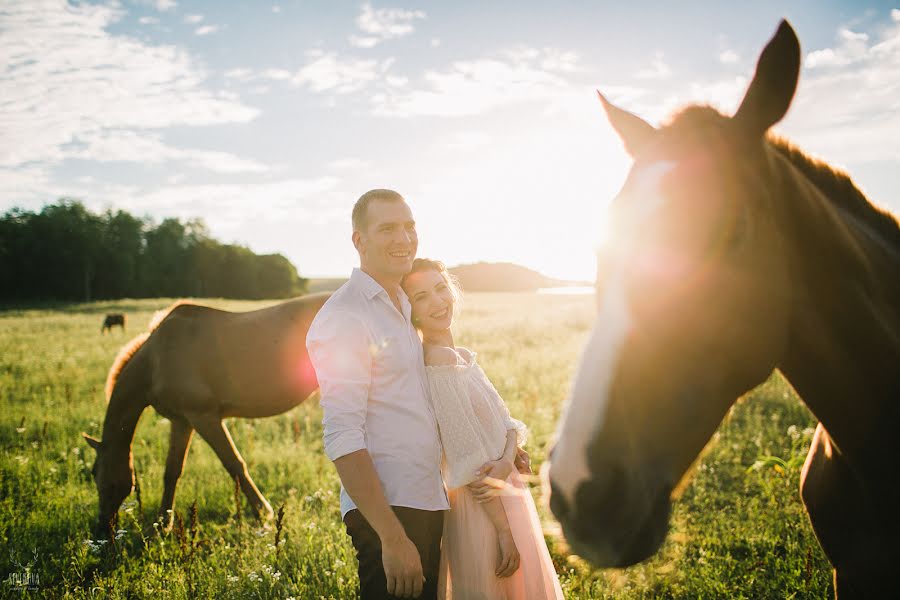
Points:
[738,531]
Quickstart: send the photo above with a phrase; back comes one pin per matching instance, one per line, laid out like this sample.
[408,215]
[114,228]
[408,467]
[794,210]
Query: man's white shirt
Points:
[368,360]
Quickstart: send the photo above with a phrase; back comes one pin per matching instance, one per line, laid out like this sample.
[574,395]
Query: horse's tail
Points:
[130,349]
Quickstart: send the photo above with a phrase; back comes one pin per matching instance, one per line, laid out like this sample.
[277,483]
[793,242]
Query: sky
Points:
[269,119]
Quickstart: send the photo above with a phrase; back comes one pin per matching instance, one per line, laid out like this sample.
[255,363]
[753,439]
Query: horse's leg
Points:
[213,430]
[179,441]
[845,522]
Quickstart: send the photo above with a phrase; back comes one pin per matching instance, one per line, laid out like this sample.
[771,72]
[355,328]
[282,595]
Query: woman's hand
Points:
[522,462]
[493,478]
[508,557]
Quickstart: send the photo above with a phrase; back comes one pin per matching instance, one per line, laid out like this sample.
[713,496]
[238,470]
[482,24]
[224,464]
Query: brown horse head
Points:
[694,299]
[113,473]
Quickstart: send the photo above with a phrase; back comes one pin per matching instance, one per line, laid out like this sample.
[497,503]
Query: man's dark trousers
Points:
[423,527]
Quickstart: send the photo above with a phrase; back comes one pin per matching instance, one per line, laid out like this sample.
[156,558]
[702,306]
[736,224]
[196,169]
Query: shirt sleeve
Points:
[338,345]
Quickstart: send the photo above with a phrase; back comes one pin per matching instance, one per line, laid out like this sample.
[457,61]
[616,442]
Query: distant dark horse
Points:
[733,254]
[112,320]
[196,367]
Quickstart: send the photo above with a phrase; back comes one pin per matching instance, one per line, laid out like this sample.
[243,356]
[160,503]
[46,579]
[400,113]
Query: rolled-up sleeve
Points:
[338,345]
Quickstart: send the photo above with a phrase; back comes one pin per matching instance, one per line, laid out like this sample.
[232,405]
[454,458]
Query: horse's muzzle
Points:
[612,522]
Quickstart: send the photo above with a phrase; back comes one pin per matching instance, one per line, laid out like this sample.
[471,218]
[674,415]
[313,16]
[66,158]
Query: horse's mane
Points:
[837,186]
[130,349]
[834,183]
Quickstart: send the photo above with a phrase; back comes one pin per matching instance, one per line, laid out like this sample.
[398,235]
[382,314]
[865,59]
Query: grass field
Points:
[739,531]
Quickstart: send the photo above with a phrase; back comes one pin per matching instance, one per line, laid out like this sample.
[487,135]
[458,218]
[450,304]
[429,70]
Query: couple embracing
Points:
[425,448]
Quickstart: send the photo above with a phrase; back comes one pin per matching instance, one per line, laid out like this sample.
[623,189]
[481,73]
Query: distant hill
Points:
[324,284]
[478,277]
[505,277]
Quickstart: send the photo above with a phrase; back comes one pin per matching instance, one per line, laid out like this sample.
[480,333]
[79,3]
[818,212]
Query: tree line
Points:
[66,252]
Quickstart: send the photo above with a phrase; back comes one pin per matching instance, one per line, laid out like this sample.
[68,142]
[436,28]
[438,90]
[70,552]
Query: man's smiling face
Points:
[388,245]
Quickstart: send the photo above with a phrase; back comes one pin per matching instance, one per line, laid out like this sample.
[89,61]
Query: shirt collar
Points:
[364,281]
[371,288]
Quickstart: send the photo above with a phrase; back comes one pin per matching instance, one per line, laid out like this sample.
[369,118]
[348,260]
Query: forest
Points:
[68,253]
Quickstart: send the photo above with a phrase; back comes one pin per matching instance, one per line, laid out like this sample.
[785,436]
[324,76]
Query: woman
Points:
[493,546]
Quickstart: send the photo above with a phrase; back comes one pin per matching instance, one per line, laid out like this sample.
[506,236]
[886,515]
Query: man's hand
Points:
[523,462]
[493,478]
[402,567]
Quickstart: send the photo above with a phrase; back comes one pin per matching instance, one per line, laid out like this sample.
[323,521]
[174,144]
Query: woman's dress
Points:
[473,421]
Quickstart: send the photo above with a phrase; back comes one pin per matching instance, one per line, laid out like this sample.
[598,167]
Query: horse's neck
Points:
[845,325]
[122,416]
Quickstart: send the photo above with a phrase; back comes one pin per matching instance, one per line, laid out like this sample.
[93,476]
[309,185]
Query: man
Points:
[379,428]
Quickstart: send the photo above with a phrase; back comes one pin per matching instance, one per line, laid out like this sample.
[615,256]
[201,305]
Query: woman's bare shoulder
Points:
[436,356]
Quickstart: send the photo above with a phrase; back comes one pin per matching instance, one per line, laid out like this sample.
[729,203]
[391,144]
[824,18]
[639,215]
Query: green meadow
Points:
[738,531]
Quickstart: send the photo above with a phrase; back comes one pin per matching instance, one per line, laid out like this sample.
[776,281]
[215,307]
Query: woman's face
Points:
[431,299]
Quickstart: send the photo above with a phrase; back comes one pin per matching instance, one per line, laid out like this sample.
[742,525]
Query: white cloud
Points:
[65,77]
[328,72]
[396,80]
[349,163]
[193,19]
[728,57]
[131,146]
[658,69]
[467,140]
[165,5]
[241,74]
[276,74]
[28,187]
[853,48]
[383,24]
[846,107]
[232,210]
[363,42]
[206,30]
[276,9]
[148,21]
[476,86]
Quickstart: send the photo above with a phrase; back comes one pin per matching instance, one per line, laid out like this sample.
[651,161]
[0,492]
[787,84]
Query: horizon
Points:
[268,121]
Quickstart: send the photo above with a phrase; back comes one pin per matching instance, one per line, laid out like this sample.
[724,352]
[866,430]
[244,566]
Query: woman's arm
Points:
[493,474]
[508,558]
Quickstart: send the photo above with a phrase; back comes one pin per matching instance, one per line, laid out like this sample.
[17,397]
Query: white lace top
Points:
[472,418]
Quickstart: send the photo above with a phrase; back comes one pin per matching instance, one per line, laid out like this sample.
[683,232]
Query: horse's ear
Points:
[92,441]
[773,86]
[634,131]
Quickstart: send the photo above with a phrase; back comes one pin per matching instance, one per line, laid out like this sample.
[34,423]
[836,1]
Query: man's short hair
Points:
[361,208]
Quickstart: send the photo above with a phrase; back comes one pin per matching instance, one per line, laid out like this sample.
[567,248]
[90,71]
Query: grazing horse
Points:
[733,254]
[197,366]
[112,320]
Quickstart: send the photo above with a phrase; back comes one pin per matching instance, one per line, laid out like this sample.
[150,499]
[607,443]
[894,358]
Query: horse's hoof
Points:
[265,513]
[164,522]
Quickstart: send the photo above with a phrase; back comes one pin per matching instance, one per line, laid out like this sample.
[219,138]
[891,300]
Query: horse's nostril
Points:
[604,493]
[558,504]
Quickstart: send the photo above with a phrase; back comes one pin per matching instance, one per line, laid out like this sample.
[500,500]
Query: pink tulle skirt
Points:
[469,550]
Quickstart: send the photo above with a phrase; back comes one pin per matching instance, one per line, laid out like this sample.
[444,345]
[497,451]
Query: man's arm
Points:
[338,347]
[402,564]
[494,473]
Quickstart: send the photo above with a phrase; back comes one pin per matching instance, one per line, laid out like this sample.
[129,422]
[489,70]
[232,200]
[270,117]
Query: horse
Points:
[196,366]
[733,254]
[112,320]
